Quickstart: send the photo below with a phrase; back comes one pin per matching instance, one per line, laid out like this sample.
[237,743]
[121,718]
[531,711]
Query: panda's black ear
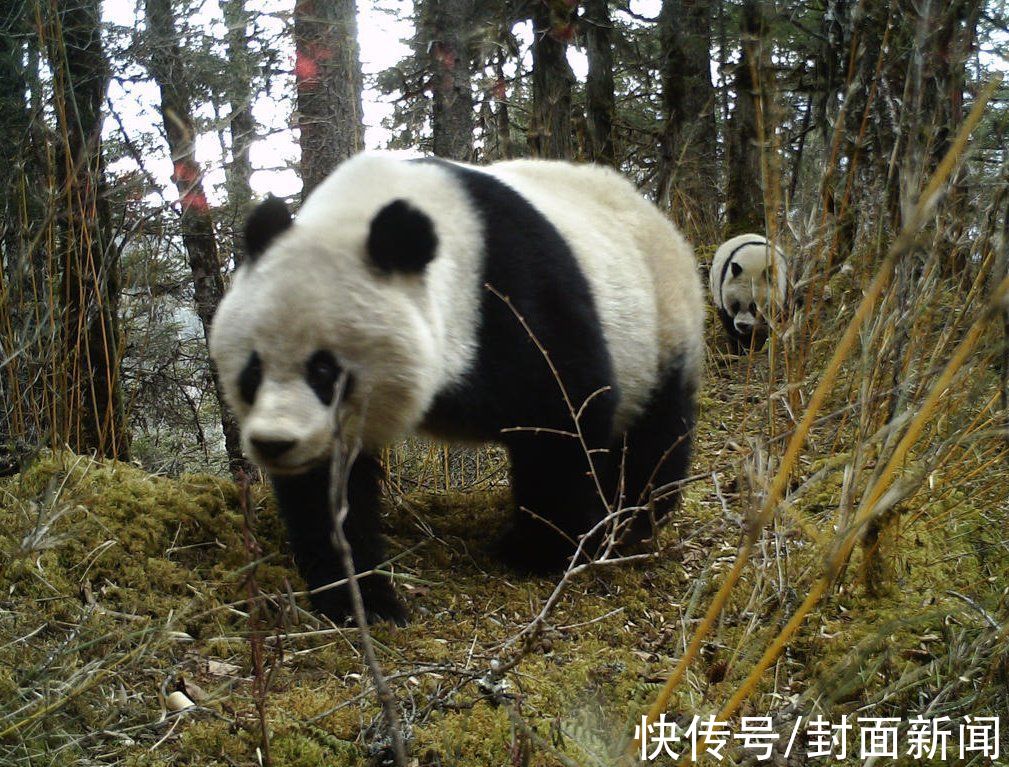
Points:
[401,239]
[736,269]
[269,219]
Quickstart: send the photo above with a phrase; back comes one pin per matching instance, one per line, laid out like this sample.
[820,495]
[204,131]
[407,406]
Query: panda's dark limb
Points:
[559,487]
[656,453]
[304,505]
[555,502]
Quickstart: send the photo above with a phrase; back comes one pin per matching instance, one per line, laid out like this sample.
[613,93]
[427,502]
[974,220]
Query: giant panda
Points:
[748,282]
[468,303]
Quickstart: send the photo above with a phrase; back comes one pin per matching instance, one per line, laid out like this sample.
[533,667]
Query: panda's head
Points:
[750,293]
[340,290]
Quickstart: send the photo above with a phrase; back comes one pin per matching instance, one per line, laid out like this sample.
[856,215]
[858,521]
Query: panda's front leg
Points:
[303,500]
[557,500]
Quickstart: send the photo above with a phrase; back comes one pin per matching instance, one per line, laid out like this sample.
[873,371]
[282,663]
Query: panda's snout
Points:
[272,449]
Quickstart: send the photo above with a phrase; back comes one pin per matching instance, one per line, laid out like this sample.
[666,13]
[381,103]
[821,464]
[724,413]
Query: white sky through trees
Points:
[384,27]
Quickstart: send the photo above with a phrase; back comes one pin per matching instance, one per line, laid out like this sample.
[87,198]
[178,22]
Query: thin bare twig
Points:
[341,462]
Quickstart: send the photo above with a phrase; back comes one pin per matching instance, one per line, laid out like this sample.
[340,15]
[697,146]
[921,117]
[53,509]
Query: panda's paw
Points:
[386,608]
[533,552]
[380,604]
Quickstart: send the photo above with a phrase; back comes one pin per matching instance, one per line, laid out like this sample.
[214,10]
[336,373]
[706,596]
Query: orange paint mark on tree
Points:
[306,70]
[196,201]
[185,172]
[563,33]
[444,55]
[308,61]
[186,177]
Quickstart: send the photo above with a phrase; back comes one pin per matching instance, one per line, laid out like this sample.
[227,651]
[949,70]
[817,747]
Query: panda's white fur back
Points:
[642,272]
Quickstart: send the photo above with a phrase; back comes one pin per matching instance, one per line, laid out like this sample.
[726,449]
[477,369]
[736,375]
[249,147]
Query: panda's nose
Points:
[272,448]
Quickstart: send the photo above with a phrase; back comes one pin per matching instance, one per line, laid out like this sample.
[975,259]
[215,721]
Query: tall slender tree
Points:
[550,127]
[241,123]
[744,200]
[446,34]
[688,178]
[169,72]
[600,103]
[91,416]
[14,130]
[328,75]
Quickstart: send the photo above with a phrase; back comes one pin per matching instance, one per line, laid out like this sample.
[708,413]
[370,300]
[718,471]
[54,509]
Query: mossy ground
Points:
[120,587]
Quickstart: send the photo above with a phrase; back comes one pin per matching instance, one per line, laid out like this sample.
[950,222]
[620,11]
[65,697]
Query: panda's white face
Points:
[282,338]
[352,286]
[752,290]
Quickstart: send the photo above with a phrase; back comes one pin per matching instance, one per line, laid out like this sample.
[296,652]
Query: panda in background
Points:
[412,277]
[748,285]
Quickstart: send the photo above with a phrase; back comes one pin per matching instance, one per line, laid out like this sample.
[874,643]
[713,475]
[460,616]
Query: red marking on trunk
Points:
[306,70]
[308,63]
[196,201]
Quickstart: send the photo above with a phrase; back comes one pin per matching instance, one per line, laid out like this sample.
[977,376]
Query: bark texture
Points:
[688,177]
[242,124]
[550,127]
[744,200]
[600,104]
[447,26]
[328,75]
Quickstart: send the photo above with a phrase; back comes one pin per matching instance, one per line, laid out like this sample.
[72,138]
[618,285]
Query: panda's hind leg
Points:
[653,457]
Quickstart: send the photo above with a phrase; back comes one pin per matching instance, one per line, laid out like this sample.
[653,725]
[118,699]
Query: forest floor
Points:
[120,588]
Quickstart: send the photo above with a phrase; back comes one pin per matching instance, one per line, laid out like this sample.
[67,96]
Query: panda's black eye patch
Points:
[753,308]
[321,373]
[734,308]
[250,378]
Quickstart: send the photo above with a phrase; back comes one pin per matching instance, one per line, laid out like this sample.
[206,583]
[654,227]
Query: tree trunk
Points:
[14,127]
[168,71]
[955,30]
[1002,271]
[830,60]
[688,178]
[550,128]
[744,203]
[867,30]
[91,418]
[446,36]
[502,120]
[238,173]
[600,103]
[328,74]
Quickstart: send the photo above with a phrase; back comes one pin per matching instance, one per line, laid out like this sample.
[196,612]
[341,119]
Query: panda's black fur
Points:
[510,394]
[529,264]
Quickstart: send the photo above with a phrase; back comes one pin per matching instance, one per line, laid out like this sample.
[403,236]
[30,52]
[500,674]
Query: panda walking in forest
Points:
[436,287]
[748,282]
